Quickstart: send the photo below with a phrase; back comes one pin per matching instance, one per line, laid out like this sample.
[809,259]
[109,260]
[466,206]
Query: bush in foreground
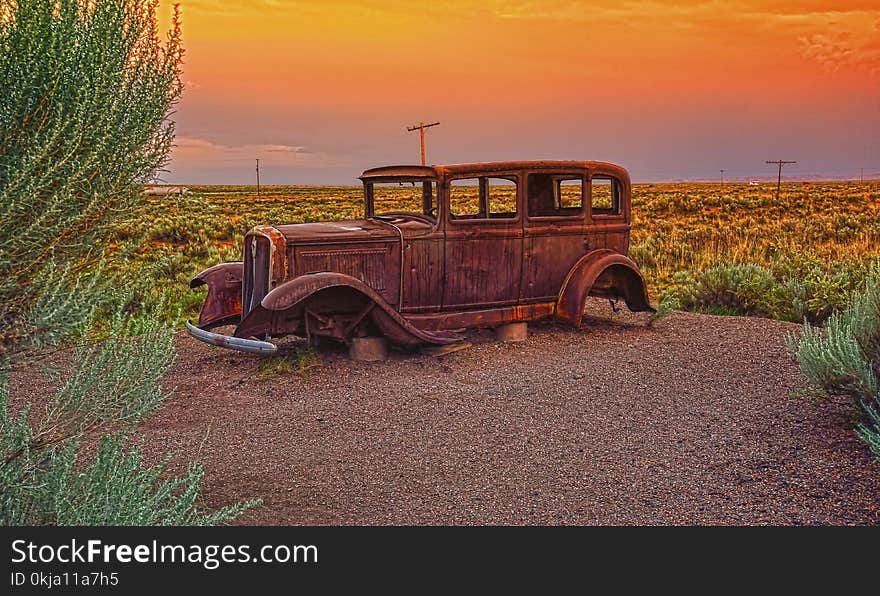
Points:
[843,358]
[87,91]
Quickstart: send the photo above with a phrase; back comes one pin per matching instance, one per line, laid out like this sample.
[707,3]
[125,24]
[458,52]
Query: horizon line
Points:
[808,178]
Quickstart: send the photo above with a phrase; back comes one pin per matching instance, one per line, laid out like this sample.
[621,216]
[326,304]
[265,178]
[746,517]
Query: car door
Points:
[483,240]
[554,231]
[423,259]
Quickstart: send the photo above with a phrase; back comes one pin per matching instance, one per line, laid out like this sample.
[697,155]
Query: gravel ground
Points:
[686,422]
[690,421]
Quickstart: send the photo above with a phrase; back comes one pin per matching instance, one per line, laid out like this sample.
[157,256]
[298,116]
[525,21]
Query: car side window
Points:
[464,199]
[555,195]
[482,197]
[605,196]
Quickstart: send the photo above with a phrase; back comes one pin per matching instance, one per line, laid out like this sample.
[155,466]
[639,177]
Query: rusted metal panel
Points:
[265,264]
[223,303]
[423,273]
[332,305]
[485,317]
[414,276]
[359,230]
[399,172]
[551,249]
[277,253]
[619,275]
[373,263]
[611,235]
[483,265]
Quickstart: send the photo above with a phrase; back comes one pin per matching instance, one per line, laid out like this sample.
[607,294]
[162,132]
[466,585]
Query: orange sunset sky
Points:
[321,90]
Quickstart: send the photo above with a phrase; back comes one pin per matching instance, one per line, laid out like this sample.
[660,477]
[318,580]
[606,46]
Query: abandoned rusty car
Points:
[440,249]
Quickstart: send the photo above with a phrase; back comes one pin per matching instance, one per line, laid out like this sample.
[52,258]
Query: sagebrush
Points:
[706,247]
[88,89]
[844,356]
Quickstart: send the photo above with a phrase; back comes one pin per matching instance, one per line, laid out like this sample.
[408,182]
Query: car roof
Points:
[400,172]
[430,172]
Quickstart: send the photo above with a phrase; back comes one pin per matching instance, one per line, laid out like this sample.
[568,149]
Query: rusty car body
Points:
[486,244]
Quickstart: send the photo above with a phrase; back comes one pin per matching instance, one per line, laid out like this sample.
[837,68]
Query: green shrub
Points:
[844,357]
[667,306]
[113,488]
[87,94]
[727,288]
[787,290]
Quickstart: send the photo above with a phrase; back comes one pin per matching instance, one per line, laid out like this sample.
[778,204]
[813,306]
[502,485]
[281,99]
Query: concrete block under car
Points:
[368,349]
[512,332]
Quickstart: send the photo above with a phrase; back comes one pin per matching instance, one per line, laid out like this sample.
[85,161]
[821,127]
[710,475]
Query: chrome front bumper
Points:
[234,343]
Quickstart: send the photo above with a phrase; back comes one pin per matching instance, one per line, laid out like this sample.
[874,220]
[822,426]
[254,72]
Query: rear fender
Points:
[223,303]
[603,273]
[283,310]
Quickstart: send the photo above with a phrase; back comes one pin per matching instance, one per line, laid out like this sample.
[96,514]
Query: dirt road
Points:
[687,422]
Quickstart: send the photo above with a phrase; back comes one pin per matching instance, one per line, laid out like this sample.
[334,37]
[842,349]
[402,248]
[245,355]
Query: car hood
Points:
[334,231]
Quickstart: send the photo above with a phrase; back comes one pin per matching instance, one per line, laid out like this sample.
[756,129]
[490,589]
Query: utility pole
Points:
[258,177]
[780,163]
[862,175]
[722,176]
[421,128]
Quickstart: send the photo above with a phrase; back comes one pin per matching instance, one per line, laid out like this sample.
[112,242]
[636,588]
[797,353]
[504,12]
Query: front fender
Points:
[601,272]
[223,303]
[283,309]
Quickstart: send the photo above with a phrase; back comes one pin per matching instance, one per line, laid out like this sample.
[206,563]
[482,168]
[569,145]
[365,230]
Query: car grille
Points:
[257,262]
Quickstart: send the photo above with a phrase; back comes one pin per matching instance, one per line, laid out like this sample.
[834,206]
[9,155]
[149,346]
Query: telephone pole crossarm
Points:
[413,128]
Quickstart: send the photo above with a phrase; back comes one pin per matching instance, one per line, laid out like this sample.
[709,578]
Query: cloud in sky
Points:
[845,42]
[325,88]
[831,51]
[192,150]
[197,160]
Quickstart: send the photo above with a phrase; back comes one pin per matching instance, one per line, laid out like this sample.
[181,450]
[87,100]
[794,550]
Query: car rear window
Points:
[555,195]
[605,196]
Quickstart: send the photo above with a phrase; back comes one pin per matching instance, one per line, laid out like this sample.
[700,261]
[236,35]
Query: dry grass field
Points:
[721,249]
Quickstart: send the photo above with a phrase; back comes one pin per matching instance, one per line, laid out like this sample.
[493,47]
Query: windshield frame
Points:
[428,198]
